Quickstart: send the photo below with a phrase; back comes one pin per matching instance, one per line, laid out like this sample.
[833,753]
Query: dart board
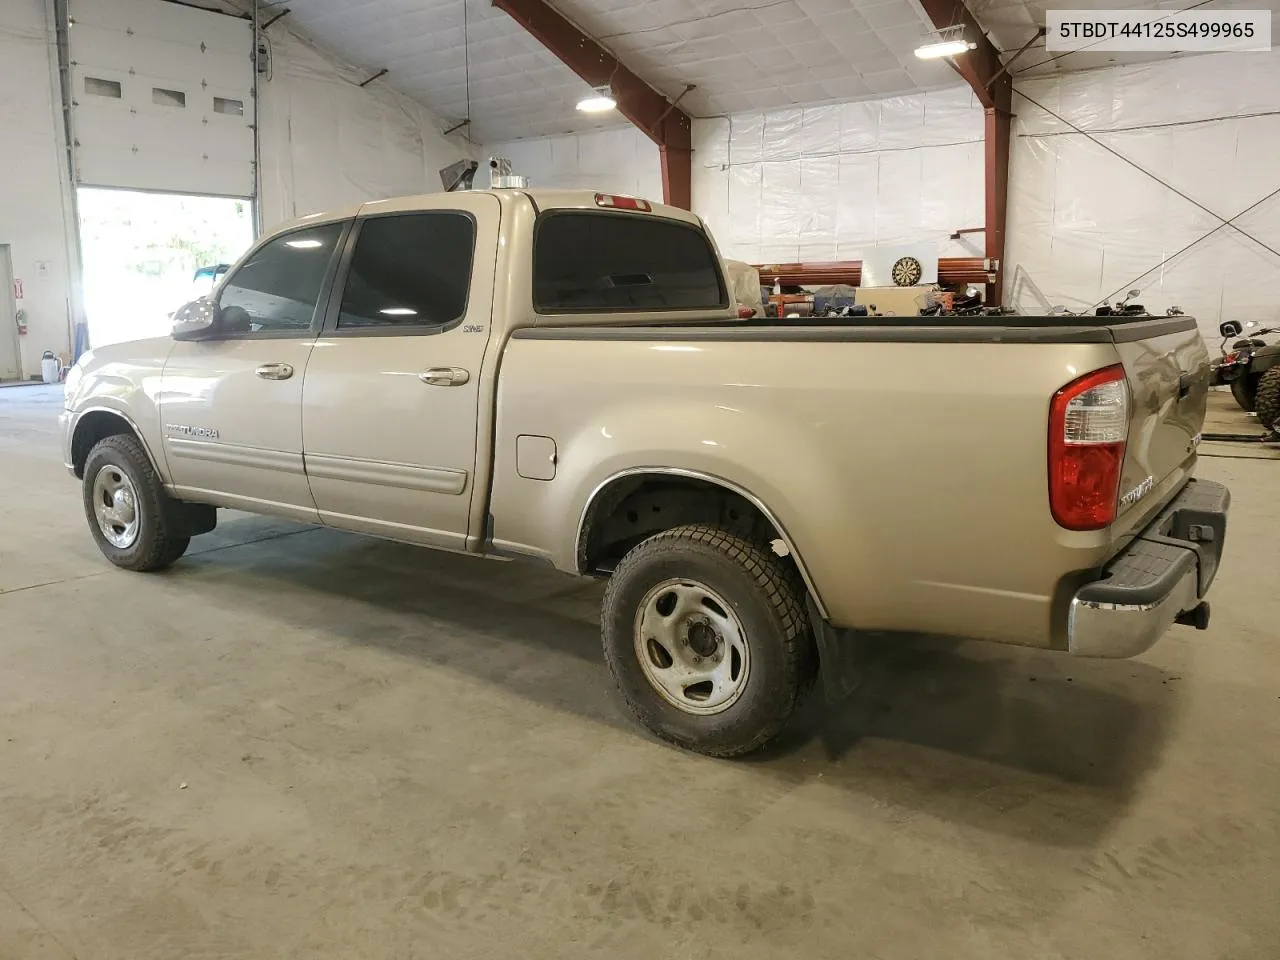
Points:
[907,271]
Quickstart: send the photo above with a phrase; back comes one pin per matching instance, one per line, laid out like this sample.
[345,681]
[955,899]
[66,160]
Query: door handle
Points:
[444,377]
[275,371]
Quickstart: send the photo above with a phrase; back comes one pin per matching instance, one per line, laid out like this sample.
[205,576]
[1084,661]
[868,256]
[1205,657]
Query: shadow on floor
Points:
[1014,740]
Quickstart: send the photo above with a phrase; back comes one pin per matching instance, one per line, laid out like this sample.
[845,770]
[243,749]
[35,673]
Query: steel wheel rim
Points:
[691,647]
[115,506]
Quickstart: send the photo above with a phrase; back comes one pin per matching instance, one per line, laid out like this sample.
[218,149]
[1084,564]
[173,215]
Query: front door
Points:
[231,406]
[390,407]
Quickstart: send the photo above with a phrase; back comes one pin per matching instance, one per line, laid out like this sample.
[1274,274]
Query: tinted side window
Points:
[603,261]
[410,270]
[277,287]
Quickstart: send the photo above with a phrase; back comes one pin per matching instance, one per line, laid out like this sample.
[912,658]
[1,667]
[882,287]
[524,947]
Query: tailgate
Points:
[1167,366]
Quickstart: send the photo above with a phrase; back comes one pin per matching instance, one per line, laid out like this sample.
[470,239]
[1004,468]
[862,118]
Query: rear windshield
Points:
[589,262]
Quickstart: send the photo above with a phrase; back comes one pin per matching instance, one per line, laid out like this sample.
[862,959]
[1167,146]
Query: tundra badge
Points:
[200,433]
[1138,492]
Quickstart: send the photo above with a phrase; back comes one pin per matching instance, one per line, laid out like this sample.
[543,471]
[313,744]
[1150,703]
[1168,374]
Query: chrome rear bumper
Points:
[1164,573]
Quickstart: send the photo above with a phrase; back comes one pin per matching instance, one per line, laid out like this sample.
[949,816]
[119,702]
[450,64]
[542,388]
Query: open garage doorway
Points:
[146,254]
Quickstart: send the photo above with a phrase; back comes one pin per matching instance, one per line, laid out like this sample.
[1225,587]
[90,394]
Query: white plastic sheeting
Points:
[617,160]
[32,181]
[177,114]
[835,181]
[327,142]
[1084,224]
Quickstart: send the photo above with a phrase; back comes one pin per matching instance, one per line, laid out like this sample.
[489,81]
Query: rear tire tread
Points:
[1267,400]
[780,587]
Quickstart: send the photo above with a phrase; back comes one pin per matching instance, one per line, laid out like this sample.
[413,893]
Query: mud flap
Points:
[195,518]
[837,657]
[839,669]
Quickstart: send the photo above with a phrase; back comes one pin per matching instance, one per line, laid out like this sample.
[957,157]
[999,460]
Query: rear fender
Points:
[1263,359]
[768,462]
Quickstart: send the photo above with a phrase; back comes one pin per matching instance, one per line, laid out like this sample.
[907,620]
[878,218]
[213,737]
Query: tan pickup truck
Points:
[562,376]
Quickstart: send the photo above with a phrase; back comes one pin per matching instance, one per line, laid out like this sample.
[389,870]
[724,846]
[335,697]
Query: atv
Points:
[1248,361]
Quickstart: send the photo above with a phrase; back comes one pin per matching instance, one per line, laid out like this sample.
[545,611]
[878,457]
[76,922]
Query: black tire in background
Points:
[1267,400]
[1243,389]
[158,541]
[762,594]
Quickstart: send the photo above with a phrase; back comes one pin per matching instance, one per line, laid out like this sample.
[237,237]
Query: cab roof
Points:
[543,198]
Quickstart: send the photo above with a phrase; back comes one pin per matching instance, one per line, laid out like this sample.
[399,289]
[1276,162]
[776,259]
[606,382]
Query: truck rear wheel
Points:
[1267,400]
[707,640]
[132,518]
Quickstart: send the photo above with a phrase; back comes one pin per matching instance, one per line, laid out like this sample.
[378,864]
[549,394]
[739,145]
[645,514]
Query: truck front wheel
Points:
[132,518]
[706,637]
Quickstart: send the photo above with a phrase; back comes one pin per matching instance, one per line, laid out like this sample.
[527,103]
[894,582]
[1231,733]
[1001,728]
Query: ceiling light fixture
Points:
[951,42]
[600,101]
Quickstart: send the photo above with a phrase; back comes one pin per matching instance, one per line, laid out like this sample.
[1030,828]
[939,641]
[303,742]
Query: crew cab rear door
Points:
[391,392]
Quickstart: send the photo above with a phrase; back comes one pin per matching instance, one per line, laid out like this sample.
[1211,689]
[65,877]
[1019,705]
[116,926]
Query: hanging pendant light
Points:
[600,100]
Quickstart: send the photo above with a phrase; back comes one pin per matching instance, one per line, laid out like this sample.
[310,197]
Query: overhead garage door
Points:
[161,97]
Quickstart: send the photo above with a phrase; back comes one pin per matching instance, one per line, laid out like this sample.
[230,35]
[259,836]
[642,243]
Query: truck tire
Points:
[135,523]
[1244,388]
[707,639]
[1267,400]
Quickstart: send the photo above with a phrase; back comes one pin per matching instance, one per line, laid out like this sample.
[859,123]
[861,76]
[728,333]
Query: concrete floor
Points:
[303,744]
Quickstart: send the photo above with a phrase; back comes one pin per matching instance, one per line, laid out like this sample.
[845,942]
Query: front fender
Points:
[125,383]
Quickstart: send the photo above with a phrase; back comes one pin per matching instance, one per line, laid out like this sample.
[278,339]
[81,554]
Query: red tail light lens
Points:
[1088,427]
[616,202]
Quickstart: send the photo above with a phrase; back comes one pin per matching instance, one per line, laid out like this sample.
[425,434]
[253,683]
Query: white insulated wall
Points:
[833,182]
[1084,224]
[33,175]
[617,160]
[803,183]
[327,142]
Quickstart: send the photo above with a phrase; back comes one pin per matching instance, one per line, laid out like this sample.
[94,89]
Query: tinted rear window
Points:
[586,262]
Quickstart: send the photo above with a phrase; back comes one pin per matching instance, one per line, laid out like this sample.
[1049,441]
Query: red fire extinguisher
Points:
[21,317]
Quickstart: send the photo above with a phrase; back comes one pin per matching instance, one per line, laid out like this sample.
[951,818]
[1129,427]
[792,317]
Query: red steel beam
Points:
[985,74]
[660,120]
[996,141]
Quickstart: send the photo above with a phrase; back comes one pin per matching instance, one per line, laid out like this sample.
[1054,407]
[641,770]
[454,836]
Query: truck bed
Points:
[907,462]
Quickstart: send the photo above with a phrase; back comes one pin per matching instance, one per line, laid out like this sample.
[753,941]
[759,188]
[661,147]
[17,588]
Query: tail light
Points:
[1230,358]
[1088,427]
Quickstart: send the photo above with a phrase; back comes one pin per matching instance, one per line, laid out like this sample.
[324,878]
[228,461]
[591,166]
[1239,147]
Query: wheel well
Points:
[91,428]
[634,508]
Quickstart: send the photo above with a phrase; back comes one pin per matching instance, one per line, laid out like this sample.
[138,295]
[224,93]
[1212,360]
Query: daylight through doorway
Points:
[146,254]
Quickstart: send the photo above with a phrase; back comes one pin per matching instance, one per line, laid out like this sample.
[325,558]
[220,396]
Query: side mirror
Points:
[1230,328]
[195,320]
